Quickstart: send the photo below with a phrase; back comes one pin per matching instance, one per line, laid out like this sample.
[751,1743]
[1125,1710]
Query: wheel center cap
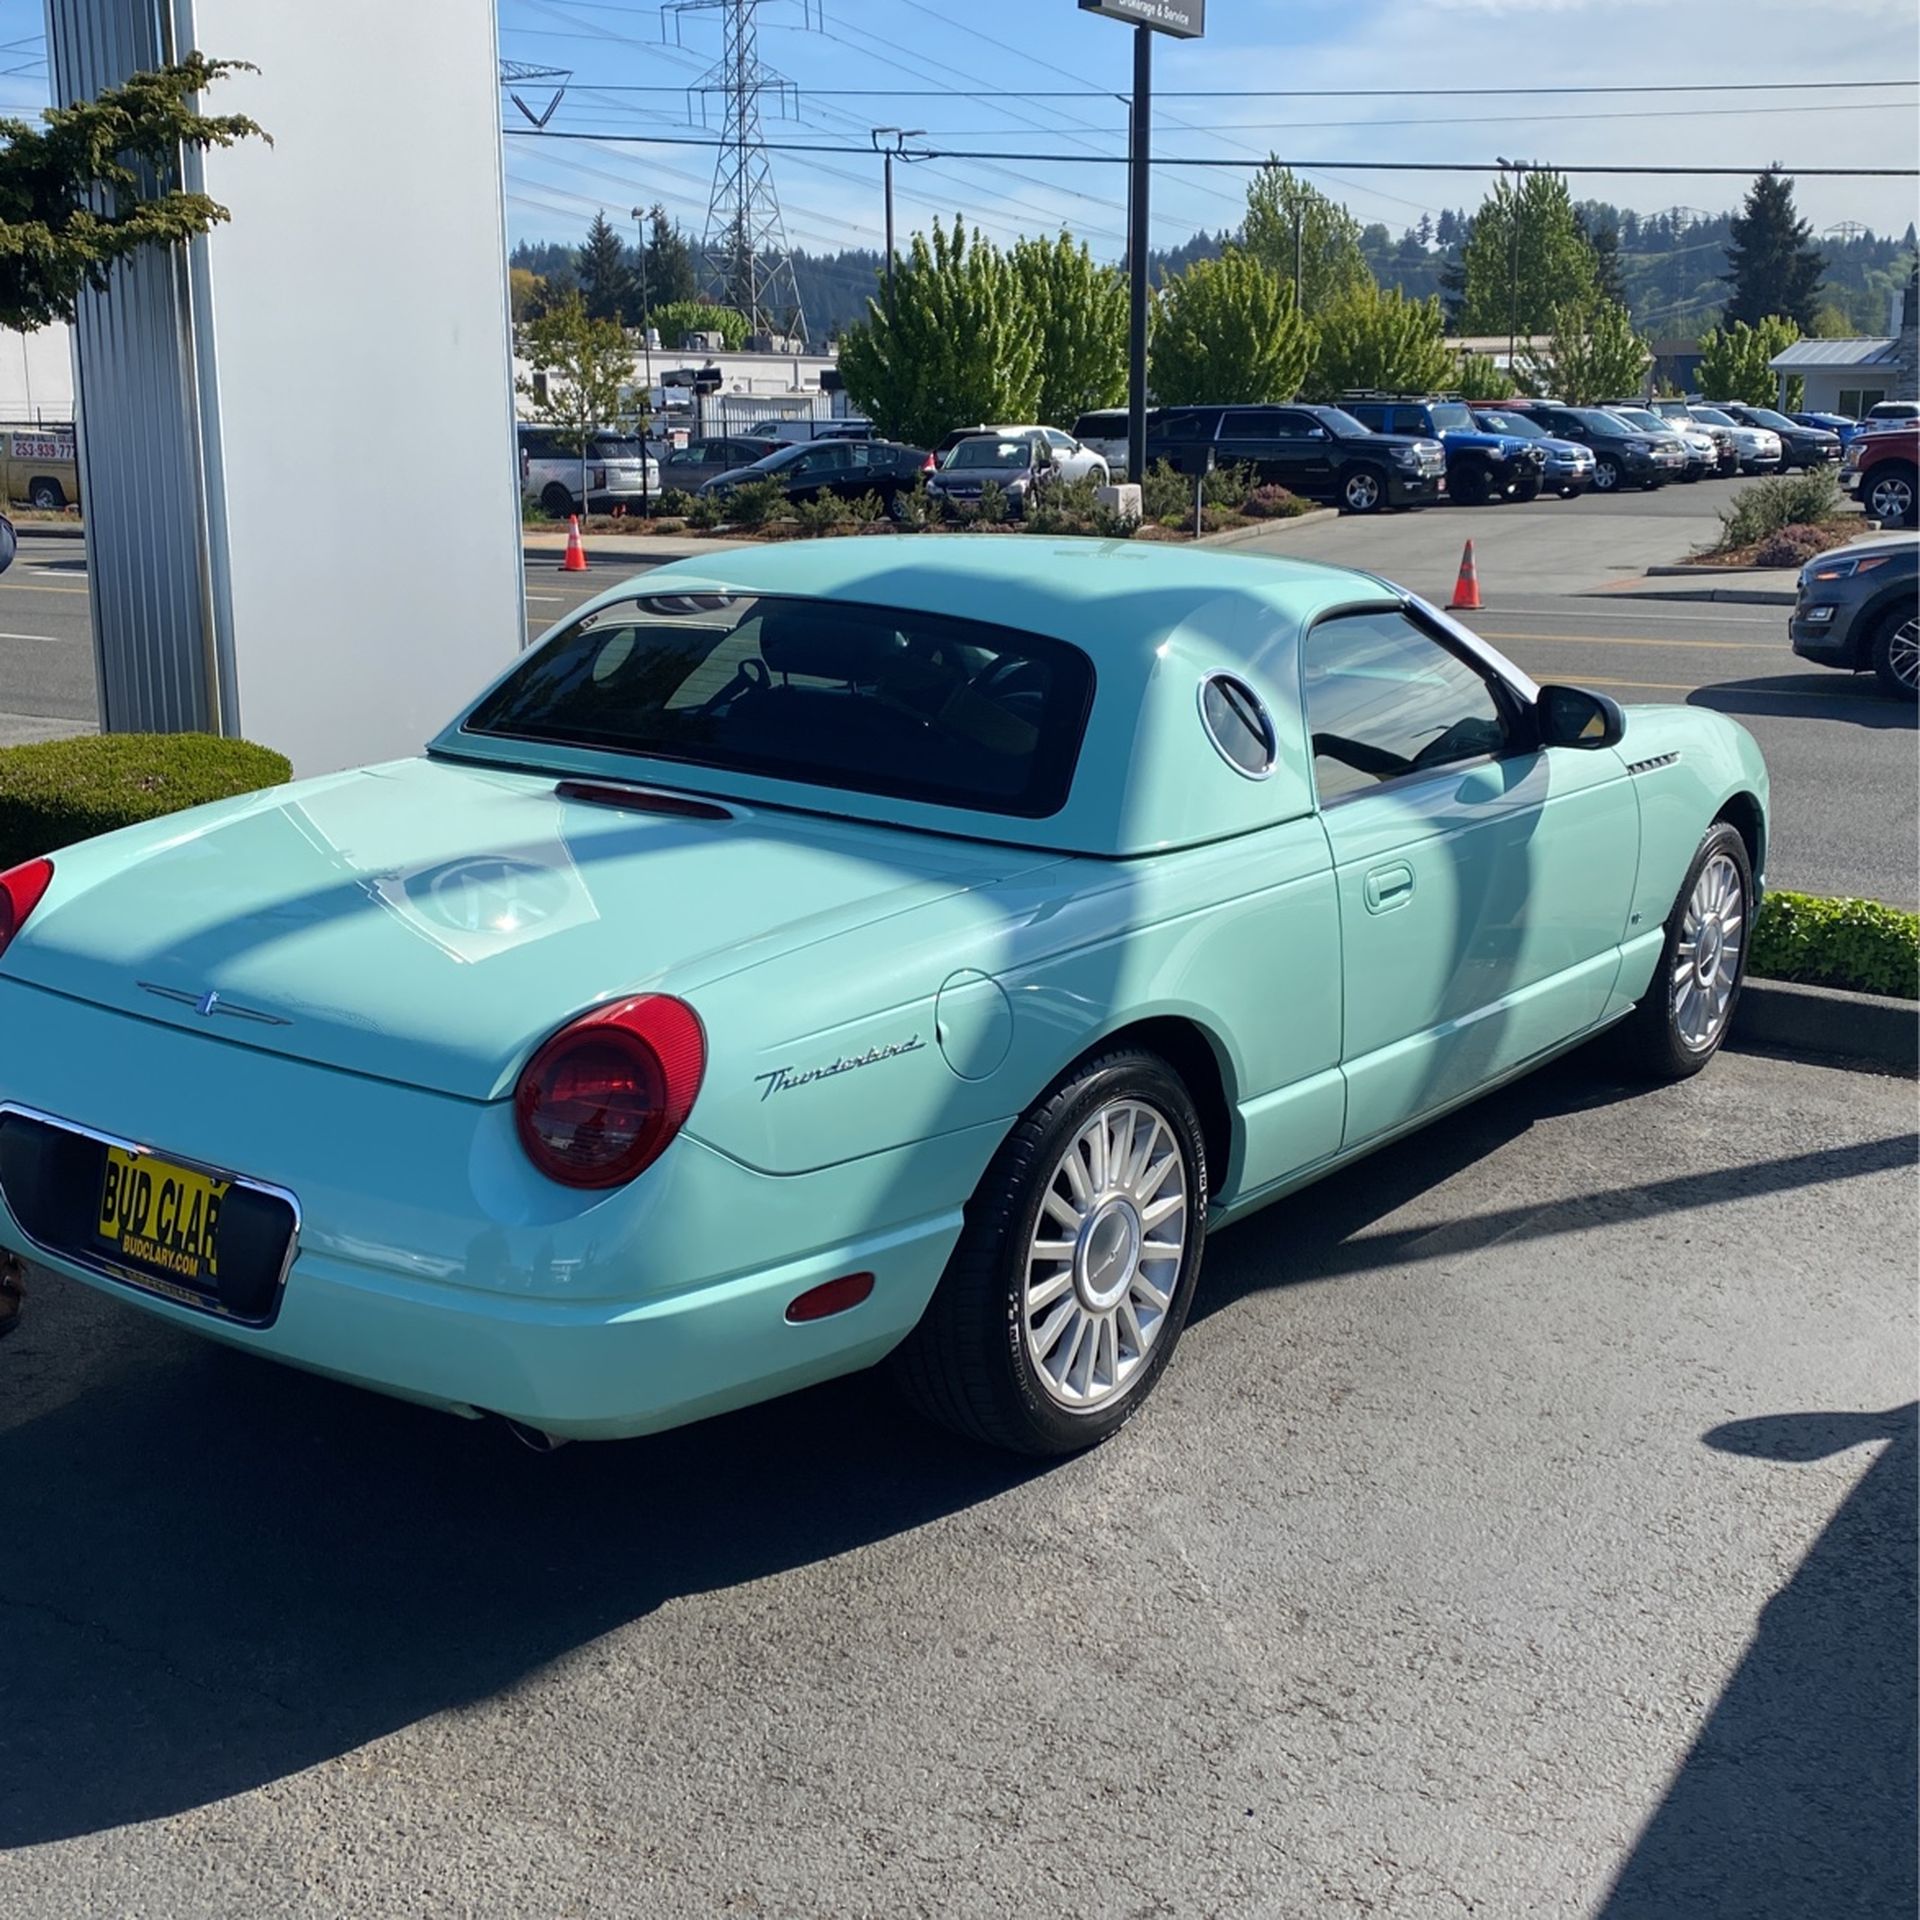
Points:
[1707,959]
[1107,1255]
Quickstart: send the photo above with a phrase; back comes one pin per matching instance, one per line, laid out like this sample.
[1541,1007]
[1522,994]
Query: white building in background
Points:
[36,376]
[723,392]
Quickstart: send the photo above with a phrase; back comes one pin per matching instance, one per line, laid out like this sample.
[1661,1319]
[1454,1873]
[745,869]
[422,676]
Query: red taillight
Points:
[830,1297]
[20,891]
[600,1101]
[929,465]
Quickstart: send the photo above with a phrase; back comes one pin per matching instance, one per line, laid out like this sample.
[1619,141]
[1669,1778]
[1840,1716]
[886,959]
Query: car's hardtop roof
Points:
[1156,621]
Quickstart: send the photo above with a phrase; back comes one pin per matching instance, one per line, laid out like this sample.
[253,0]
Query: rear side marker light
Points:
[830,1297]
[21,889]
[603,1098]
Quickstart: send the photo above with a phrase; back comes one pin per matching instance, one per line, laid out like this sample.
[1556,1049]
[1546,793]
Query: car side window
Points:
[1298,426]
[1198,425]
[1385,699]
[1058,441]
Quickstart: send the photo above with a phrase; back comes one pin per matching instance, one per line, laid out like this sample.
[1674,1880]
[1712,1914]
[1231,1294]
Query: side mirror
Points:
[1573,717]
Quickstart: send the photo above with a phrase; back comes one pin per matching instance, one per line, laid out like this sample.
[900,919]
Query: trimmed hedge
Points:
[1857,944]
[54,792]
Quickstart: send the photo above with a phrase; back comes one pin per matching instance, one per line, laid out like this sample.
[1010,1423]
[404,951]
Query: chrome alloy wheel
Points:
[1363,493]
[1706,960]
[1903,653]
[1104,1260]
[1892,500]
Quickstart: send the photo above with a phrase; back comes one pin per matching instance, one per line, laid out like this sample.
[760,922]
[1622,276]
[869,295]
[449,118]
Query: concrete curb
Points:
[1739,596]
[51,529]
[1237,536]
[1863,1029]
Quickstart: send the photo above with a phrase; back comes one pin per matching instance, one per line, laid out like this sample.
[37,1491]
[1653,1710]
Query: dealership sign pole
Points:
[1185,20]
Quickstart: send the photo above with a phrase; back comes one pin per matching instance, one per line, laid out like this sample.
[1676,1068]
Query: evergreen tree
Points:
[1309,241]
[1773,265]
[1525,256]
[606,281]
[1601,230]
[1448,231]
[670,273]
[1424,230]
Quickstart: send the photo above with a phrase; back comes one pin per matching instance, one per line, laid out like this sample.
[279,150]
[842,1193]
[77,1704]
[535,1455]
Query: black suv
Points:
[1622,455]
[1319,453]
[1799,446]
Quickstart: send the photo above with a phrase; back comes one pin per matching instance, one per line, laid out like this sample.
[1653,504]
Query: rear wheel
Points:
[557,500]
[1606,474]
[1364,490]
[1680,1024]
[1066,1295]
[1896,654]
[48,495]
[1890,497]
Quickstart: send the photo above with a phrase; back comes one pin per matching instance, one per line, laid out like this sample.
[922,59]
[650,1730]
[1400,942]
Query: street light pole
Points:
[1513,259]
[1137,175]
[897,138]
[646,351]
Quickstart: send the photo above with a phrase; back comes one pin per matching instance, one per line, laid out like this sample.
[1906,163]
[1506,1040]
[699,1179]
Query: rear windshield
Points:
[1449,416]
[1713,417]
[1100,426]
[917,706]
[607,446]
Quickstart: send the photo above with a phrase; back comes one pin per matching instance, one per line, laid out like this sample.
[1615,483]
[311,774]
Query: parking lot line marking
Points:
[1638,640]
[22,586]
[49,639]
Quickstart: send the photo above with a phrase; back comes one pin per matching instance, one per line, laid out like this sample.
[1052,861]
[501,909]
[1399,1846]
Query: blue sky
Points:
[838,50]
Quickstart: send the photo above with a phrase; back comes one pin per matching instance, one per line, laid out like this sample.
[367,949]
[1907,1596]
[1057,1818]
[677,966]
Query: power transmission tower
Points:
[520,73]
[748,262]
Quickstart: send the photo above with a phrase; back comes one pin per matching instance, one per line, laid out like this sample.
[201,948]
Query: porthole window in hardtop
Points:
[1238,724]
[916,706]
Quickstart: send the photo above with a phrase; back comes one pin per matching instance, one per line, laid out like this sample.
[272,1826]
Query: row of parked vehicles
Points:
[1374,452]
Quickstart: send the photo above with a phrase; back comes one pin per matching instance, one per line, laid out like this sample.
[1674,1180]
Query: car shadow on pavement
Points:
[1798,1797]
[1827,695]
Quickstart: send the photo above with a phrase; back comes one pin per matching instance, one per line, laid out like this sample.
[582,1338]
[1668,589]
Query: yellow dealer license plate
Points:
[160,1217]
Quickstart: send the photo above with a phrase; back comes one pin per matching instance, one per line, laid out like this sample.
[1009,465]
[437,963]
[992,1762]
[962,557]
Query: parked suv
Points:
[1070,460]
[1724,433]
[1703,456]
[1856,609]
[1623,456]
[1482,465]
[1567,466]
[1880,472]
[1756,449]
[1104,433]
[1320,453]
[1799,446]
[620,473]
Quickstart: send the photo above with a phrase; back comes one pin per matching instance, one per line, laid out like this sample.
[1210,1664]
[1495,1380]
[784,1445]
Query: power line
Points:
[1254,162]
[1258,93]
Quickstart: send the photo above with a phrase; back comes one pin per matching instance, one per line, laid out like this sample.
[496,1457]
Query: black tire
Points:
[1649,1043]
[1363,490]
[966,1365]
[1526,487]
[557,500]
[1889,495]
[1896,653]
[48,495]
[1606,474]
[1472,485]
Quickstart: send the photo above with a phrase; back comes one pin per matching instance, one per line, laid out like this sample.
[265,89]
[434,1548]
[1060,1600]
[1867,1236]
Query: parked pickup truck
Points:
[1879,471]
[1482,465]
[40,466]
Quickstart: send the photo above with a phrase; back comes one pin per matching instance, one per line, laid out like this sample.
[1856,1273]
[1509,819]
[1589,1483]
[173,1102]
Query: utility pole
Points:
[1297,215]
[646,351]
[1138,163]
[1513,260]
[897,138]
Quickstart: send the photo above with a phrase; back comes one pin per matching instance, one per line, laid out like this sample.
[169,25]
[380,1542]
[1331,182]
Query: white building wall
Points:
[36,375]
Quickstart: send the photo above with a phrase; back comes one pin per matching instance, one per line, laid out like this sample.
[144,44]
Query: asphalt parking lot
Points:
[1525,1529]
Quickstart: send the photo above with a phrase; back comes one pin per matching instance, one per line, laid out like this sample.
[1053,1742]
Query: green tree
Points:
[958,346]
[606,279]
[99,181]
[1733,360]
[681,317]
[582,369]
[1480,377]
[671,278]
[1226,332]
[1289,221]
[1079,312]
[1772,265]
[1525,256]
[1602,233]
[1592,354]
[1373,338]
[526,293]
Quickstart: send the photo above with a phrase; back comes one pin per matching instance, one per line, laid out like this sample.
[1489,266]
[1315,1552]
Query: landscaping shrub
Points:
[675,502]
[1165,494]
[1273,503]
[868,509]
[1226,487]
[815,517]
[704,513]
[1795,546]
[54,792]
[756,503]
[1809,499]
[1858,944]
[993,504]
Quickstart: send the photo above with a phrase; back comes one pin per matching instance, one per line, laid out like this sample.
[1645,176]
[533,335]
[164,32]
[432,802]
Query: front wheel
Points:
[1363,491]
[1471,486]
[557,501]
[1896,654]
[1606,474]
[1681,1022]
[1066,1294]
[1890,497]
[1525,488]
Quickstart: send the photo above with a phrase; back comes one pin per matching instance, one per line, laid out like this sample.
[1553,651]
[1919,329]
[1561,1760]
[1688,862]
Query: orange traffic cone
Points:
[575,560]
[1466,589]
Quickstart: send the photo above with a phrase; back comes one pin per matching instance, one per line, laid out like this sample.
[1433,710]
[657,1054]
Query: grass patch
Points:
[1856,944]
[54,792]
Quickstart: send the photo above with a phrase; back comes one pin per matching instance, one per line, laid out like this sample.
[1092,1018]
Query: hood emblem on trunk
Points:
[209,1003]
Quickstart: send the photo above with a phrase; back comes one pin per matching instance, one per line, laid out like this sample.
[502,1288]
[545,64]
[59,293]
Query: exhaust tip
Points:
[532,1438]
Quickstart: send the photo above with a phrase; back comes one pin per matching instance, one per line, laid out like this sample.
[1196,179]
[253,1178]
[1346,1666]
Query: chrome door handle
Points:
[1389,887]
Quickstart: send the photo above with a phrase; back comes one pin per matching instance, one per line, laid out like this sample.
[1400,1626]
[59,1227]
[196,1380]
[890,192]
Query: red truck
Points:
[1879,471]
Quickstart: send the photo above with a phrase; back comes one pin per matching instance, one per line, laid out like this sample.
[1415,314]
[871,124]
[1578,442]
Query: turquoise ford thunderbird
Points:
[893,949]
